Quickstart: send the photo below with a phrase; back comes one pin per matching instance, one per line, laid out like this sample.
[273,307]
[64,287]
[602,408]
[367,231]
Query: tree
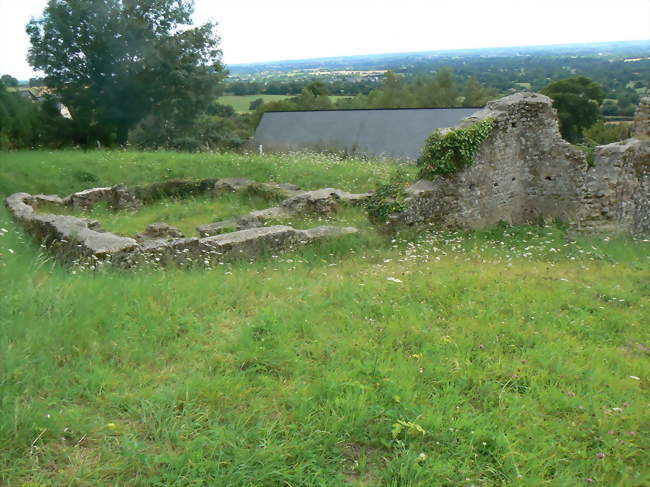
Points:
[114,63]
[392,94]
[445,88]
[35,82]
[577,101]
[476,95]
[255,104]
[9,80]
[19,120]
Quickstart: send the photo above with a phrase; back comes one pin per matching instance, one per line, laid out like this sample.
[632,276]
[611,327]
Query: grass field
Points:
[241,103]
[511,356]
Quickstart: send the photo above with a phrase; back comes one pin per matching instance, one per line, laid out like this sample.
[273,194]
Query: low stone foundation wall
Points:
[77,239]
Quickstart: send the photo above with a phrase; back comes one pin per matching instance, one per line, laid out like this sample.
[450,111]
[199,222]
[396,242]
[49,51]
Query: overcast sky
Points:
[267,30]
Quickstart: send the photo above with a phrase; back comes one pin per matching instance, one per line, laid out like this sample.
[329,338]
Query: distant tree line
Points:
[623,81]
[396,91]
[28,122]
[139,73]
[350,87]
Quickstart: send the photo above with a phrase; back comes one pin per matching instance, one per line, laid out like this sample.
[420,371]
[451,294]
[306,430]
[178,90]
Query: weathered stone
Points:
[123,199]
[217,228]
[259,217]
[72,236]
[86,199]
[616,195]
[641,127]
[420,188]
[234,245]
[182,251]
[230,185]
[289,187]
[76,238]
[119,197]
[253,219]
[48,199]
[19,206]
[327,231]
[221,248]
[525,171]
[321,201]
[288,190]
[250,242]
[160,230]
[174,188]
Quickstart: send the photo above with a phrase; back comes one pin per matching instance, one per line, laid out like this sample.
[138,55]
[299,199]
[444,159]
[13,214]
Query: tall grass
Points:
[513,356]
[64,172]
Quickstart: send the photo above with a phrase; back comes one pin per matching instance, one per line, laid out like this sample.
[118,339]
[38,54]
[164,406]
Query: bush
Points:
[447,153]
[605,133]
[388,199]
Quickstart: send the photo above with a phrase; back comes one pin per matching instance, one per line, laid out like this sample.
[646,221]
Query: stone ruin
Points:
[80,239]
[525,172]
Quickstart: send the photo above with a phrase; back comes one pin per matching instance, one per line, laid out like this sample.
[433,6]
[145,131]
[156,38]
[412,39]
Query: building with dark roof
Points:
[392,133]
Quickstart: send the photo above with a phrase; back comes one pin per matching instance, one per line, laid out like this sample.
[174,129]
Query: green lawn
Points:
[511,356]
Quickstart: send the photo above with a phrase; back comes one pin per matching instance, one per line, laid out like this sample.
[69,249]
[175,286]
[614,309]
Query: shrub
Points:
[605,133]
[388,199]
[446,153]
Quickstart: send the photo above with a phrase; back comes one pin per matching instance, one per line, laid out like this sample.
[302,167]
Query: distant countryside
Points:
[242,93]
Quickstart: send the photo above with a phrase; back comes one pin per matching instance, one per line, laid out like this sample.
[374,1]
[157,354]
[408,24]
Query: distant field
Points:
[241,103]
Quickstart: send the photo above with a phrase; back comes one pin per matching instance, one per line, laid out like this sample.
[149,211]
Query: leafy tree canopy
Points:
[8,80]
[577,101]
[116,62]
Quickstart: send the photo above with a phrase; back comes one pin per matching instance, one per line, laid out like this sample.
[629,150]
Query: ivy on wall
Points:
[388,199]
[447,153]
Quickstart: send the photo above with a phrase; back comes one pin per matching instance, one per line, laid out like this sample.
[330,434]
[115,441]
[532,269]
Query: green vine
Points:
[389,198]
[445,154]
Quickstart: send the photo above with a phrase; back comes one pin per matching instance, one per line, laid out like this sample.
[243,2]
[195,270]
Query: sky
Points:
[271,30]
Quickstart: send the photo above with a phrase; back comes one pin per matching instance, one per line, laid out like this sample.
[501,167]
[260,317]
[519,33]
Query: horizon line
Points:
[327,58]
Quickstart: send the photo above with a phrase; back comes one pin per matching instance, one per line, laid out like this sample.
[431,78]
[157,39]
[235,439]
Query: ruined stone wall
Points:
[525,171]
[616,195]
[642,119]
[81,240]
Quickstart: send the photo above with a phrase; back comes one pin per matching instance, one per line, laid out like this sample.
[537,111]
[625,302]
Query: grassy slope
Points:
[501,358]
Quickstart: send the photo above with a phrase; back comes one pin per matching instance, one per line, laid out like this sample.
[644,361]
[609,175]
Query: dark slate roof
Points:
[396,133]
